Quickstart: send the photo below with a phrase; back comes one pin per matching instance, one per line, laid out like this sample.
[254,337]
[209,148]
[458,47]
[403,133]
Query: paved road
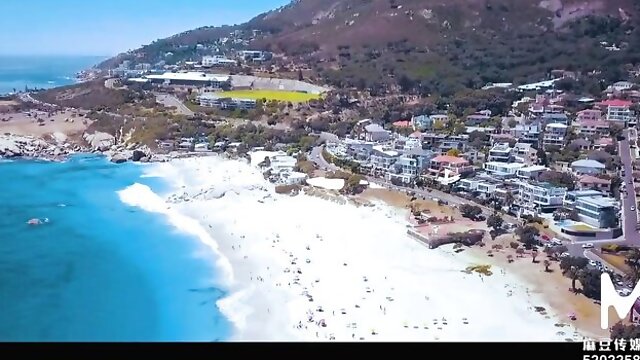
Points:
[170,100]
[320,161]
[629,217]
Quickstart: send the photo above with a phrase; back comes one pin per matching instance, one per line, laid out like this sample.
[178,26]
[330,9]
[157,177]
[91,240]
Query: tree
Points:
[453,152]
[512,123]
[633,260]
[622,331]
[477,139]
[590,281]
[571,267]
[542,157]
[534,255]
[615,130]
[495,222]
[470,211]
[558,178]
[547,263]
[528,235]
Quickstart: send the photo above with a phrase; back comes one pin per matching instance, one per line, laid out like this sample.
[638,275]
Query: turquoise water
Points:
[16,72]
[99,270]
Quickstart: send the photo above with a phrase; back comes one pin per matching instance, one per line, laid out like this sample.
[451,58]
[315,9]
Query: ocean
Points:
[16,72]
[97,269]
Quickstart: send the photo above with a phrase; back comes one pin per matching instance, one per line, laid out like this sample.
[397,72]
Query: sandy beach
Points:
[307,269]
[64,122]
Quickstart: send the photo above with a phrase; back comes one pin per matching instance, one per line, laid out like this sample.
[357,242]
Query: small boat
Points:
[34,221]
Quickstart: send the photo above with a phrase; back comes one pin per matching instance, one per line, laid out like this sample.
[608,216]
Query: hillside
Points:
[428,46]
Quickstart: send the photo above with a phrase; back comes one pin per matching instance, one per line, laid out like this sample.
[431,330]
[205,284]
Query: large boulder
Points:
[121,156]
[138,155]
[100,140]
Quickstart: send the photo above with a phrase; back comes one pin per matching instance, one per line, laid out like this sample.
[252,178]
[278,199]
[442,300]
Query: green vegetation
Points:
[277,95]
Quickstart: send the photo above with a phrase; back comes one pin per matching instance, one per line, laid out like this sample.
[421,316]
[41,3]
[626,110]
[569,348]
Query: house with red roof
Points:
[447,169]
[592,127]
[588,182]
[402,124]
[618,111]
[601,143]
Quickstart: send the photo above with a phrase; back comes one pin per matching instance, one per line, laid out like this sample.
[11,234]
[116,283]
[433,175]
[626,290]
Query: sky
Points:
[109,27]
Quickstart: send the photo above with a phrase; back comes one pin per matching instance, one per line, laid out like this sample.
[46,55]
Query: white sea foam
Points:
[366,278]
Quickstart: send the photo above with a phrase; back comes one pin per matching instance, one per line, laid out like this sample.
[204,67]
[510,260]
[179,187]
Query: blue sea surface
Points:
[16,72]
[98,270]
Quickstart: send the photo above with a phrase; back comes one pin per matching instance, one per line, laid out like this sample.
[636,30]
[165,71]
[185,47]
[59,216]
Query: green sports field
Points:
[290,96]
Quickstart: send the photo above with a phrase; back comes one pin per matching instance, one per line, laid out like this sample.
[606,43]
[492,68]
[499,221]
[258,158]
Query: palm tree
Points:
[633,260]
[546,263]
[573,272]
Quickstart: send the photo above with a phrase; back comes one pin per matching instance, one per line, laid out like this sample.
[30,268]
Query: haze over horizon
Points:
[73,27]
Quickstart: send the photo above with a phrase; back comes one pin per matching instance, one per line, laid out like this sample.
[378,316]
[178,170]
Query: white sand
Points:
[367,279]
[324,183]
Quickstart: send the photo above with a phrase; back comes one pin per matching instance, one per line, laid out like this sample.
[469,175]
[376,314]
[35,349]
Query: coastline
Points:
[552,287]
[286,259]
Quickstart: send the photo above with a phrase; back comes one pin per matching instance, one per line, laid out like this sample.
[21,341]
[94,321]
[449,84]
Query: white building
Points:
[501,169]
[538,197]
[500,152]
[555,134]
[217,60]
[587,167]
[618,111]
[383,158]
[531,172]
[375,132]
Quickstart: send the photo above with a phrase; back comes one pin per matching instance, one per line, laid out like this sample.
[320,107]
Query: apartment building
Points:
[618,111]
[501,169]
[597,211]
[539,197]
[586,182]
[530,172]
[500,152]
[589,115]
[382,158]
[525,153]
[587,167]
[528,133]
[404,169]
[592,127]
[448,169]
[554,134]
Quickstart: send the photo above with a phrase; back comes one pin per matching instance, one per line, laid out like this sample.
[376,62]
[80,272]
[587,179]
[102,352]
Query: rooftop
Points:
[557,126]
[599,201]
[449,159]
[533,168]
[402,123]
[615,102]
[588,179]
[374,128]
[386,152]
[505,165]
[189,76]
[588,163]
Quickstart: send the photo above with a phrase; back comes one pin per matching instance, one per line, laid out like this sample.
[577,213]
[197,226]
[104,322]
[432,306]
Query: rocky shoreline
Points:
[58,148]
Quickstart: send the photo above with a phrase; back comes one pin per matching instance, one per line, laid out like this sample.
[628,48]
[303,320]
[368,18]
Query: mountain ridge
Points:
[470,41]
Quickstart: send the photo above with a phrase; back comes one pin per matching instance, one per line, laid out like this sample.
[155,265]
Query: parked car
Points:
[633,208]
[564,254]
[624,291]
[587,246]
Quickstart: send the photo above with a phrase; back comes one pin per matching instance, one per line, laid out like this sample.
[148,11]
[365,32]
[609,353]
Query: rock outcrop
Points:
[99,140]
[12,146]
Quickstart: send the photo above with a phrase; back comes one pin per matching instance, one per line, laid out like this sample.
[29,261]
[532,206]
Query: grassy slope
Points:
[290,96]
